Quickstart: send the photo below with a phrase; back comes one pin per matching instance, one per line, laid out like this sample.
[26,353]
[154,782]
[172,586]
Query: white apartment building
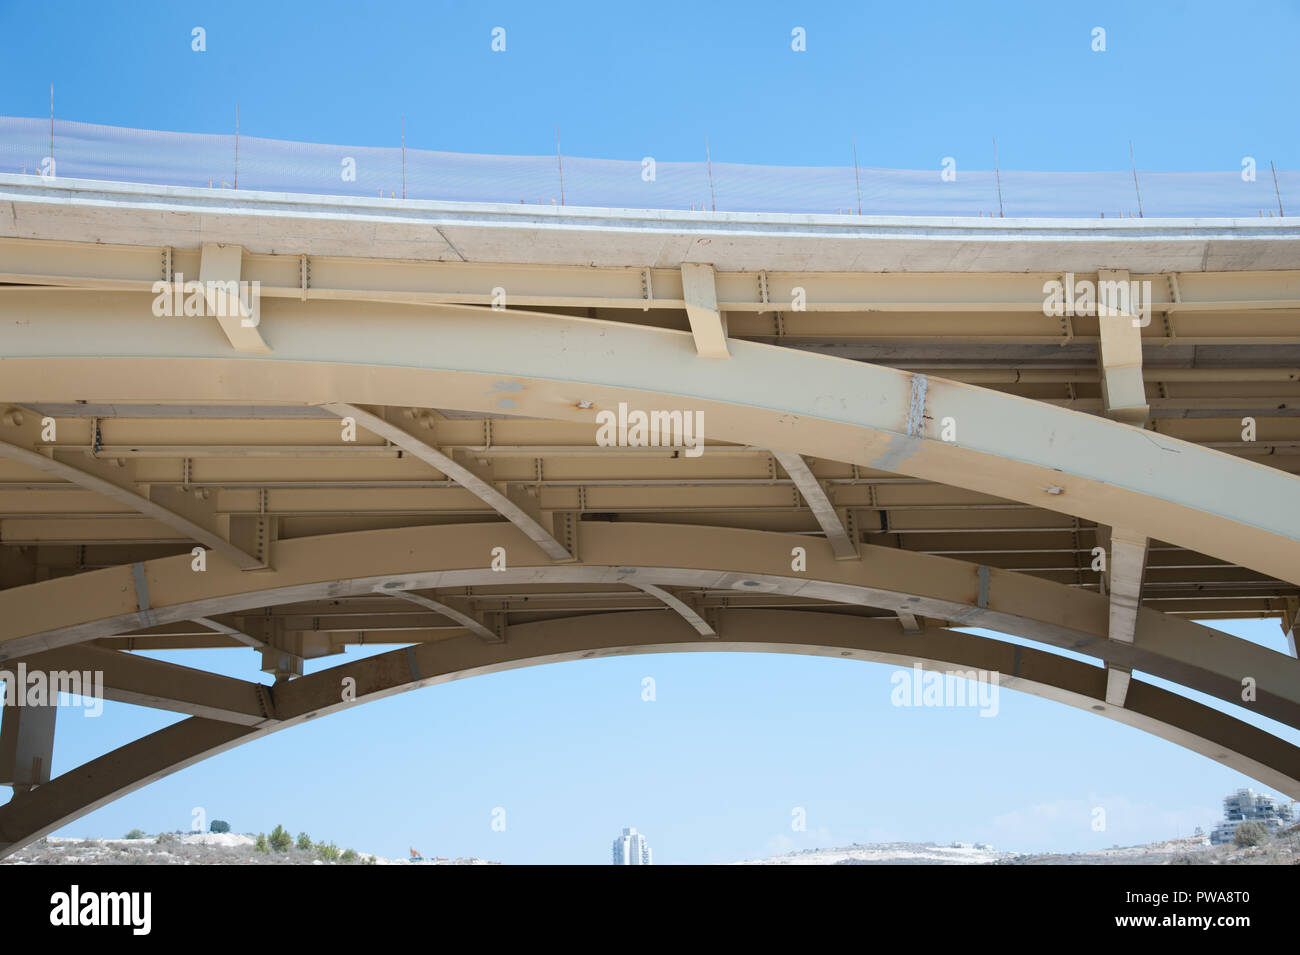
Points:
[631,848]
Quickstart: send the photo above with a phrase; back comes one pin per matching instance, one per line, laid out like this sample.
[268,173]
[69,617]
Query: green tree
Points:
[280,839]
[304,841]
[219,825]
[327,852]
[349,856]
[261,845]
[1250,834]
[135,834]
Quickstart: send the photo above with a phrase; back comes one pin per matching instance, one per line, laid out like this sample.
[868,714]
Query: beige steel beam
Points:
[708,323]
[1122,385]
[102,603]
[462,616]
[1201,729]
[219,272]
[30,815]
[128,678]
[1124,396]
[195,519]
[512,509]
[680,607]
[246,639]
[1290,622]
[881,418]
[909,622]
[1124,572]
[102,267]
[842,543]
[27,745]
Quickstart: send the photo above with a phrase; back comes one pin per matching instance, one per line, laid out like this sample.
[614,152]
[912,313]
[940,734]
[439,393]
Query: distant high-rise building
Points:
[1246,805]
[631,848]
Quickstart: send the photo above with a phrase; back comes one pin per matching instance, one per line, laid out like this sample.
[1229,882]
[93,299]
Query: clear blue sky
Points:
[712,770]
[1195,85]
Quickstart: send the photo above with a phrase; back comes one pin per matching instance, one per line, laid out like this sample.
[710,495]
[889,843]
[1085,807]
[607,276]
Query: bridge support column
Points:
[283,651]
[708,323]
[1124,570]
[1123,387]
[27,745]
[1123,390]
[284,664]
[1290,621]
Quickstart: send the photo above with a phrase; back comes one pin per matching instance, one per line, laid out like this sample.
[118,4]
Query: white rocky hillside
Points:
[191,848]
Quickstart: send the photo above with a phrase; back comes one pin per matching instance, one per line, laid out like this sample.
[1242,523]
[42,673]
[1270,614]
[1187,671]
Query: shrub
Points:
[304,841]
[349,856]
[261,845]
[1250,834]
[327,852]
[280,839]
[219,825]
[135,834]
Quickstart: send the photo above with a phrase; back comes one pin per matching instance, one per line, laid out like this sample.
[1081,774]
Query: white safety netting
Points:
[116,154]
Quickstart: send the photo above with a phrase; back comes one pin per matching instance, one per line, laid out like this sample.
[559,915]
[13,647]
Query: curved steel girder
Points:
[129,498]
[462,475]
[550,366]
[103,602]
[1196,727]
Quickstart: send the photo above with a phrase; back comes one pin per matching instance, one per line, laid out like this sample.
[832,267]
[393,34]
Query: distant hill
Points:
[189,848]
[888,853]
[1280,849]
[186,848]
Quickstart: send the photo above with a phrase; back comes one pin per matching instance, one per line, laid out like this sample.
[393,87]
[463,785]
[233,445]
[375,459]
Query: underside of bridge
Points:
[858,436]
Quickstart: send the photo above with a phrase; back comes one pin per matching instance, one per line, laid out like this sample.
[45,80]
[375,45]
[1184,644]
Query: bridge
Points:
[496,435]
